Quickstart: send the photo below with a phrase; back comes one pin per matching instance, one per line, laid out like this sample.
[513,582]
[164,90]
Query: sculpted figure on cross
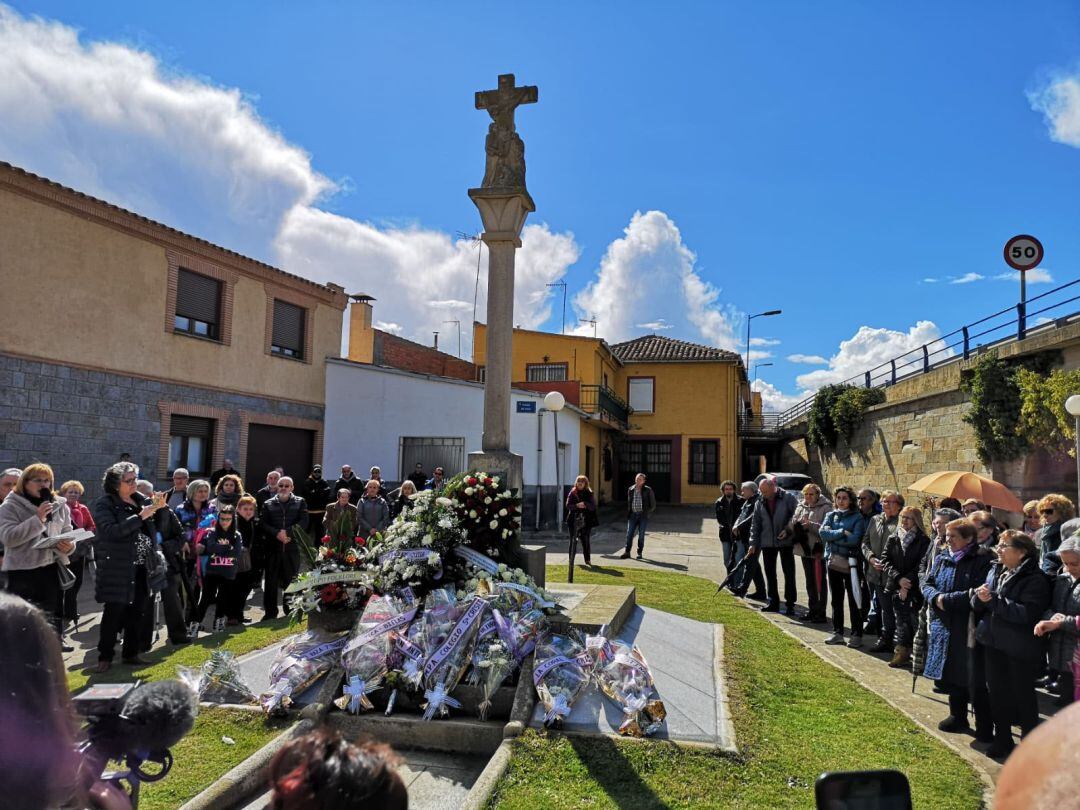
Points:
[505,166]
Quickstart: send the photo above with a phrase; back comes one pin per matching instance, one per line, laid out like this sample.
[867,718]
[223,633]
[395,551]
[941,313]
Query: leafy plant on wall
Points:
[1002,433]
[1043,418]
[837,411]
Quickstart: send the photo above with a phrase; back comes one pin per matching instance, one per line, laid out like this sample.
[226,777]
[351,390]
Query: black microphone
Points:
[46,495]
[154,717]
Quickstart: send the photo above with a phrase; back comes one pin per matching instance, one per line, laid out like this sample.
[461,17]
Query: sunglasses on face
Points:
[1046,511]
[127,480]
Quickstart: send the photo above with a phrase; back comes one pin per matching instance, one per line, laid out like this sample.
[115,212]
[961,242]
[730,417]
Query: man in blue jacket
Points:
[769,534]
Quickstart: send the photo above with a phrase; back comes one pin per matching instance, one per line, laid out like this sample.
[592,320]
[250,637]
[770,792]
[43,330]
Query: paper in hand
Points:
[75,536]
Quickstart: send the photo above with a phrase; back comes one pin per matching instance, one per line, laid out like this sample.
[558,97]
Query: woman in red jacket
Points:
[72,491]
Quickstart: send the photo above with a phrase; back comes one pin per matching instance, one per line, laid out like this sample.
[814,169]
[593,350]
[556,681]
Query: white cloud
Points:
[651,257]
[415,274]
[967,278]
[656,326]
[757,354]
[1036,276]
[773,399]
[385,326]
[930,281]
[764,341]
[812,359]
[870,347]
[114,122]
[1059,102]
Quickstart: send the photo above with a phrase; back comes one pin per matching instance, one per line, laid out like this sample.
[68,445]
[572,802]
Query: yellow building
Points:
[661,406]
[122,335]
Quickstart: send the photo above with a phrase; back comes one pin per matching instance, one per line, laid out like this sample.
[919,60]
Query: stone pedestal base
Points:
[508,466]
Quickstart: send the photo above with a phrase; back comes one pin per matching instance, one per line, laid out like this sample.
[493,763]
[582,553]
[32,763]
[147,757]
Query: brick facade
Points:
[80,420]
[396,352]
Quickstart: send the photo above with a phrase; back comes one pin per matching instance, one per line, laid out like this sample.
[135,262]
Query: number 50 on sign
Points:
[1023,252]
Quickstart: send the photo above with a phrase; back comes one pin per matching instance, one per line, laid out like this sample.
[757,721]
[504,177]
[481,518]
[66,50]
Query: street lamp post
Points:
[555,402]
[748,319]
[1072,405]
[757,366]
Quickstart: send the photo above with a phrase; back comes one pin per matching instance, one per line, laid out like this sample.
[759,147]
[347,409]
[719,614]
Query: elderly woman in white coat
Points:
[29,513]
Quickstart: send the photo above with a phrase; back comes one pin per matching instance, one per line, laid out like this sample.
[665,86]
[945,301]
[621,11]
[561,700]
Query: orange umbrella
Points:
[964,485]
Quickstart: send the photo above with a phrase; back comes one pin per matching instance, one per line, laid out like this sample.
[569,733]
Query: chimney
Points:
[361,335]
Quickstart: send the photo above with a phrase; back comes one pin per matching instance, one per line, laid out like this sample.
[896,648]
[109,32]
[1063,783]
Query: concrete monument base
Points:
[510,467]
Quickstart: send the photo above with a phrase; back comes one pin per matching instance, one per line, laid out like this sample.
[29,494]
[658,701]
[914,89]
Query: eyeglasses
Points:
[224,518]
[1046,511]
[127,480]
[1004,546]
[42,481]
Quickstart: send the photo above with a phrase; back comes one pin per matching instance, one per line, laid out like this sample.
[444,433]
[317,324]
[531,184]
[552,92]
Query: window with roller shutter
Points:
[198,305]
[288,330]
[190,444]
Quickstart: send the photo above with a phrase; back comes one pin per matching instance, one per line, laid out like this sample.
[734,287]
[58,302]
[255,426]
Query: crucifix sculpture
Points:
[504,203]
[505,167]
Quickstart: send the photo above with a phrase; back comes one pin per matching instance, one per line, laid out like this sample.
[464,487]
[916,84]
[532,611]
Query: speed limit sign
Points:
[1023,252]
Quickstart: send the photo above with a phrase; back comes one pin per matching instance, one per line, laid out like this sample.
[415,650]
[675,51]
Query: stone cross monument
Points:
[504,203]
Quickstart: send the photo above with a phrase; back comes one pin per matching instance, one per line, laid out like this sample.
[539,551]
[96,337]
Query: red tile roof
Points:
[659,349]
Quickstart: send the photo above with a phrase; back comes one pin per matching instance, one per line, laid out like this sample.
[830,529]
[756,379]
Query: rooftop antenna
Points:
[591,320]
[563,285]
[474,240]
[458,322]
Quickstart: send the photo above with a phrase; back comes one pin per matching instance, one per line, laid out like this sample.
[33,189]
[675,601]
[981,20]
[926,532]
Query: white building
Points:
[394,419]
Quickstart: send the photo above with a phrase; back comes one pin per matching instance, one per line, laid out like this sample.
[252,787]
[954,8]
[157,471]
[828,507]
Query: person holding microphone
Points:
[127,560]
[29,513]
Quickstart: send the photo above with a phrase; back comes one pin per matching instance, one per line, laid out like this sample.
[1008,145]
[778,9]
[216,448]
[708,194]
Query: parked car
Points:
[789,481]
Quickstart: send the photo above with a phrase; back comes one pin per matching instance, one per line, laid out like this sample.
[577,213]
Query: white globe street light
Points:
[1072,405]
[555,402]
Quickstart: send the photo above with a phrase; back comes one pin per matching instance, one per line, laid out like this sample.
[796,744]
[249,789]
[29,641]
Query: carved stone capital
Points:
[503,212]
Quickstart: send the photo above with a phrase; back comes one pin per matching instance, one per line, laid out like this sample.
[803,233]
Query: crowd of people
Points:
[989,613]
[201,544]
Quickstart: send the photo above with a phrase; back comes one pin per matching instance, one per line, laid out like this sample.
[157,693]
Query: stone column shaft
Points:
[499,350]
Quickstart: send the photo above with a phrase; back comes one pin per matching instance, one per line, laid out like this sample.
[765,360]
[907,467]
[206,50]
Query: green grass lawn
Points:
[795,716]
[165,660]
[203,755]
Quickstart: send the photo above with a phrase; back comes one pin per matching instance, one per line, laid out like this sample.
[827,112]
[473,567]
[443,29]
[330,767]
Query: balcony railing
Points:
[759,425]
[600,399]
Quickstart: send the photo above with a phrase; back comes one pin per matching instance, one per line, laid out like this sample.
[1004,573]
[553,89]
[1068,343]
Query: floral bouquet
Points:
[622,673]
[520,629]
[218,680]
[449,635]
[560,676]
[489,512]
[369,648]
[492,663]
[301,661]
[410,552]
[338,579]
[513,587]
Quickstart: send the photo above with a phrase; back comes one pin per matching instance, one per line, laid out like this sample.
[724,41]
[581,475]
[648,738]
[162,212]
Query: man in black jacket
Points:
[317,493]
[270,490]
[351,482]
[276,520]
[728,506]
[640,503]
[226,469]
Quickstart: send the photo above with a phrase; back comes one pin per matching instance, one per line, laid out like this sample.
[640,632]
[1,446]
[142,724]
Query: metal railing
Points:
[1047,310]
[759,425]
[602,400]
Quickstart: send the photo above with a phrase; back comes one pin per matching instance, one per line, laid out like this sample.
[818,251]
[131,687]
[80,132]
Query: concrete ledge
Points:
[597,606]
[484,786]
[725,729]
[453,734]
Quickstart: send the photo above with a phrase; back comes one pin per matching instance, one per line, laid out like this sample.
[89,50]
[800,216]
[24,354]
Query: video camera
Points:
[135,724]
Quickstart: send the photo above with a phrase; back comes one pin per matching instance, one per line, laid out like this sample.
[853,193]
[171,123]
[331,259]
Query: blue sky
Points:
[824,159]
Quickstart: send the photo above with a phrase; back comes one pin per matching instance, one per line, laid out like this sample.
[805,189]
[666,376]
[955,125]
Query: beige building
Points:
[120,334]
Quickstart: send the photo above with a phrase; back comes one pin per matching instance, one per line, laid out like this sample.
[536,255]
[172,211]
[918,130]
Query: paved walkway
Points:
[686,540]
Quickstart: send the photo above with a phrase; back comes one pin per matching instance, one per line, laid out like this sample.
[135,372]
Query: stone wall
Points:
[79,421]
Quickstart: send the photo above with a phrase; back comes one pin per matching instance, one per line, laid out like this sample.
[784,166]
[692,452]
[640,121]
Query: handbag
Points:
[243,560]
[839,564]
[67,579]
